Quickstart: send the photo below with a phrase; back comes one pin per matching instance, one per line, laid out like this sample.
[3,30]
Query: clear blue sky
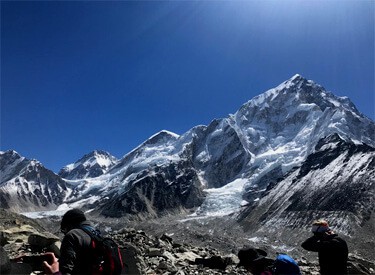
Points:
[80,76]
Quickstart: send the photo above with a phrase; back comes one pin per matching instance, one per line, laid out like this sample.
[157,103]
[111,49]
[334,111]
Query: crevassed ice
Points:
[223,201]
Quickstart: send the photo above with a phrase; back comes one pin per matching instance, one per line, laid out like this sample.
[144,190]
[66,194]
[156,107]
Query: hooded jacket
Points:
[76,252]
[332,252]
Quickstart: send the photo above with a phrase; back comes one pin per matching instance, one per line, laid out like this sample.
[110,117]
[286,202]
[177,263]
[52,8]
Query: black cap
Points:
[250,255]
[72,218]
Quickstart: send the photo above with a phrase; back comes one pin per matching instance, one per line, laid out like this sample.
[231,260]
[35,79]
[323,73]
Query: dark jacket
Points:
[332,252]
[75,252]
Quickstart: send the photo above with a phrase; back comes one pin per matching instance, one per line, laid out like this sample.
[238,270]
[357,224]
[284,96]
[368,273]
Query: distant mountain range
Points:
[292,150]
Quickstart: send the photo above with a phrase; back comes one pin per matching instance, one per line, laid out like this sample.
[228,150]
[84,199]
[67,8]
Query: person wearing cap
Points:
[255,261]
[332,250]
[75,246]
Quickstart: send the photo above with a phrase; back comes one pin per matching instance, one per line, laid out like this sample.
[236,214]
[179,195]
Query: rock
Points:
[132,263]
[19,232]
[163,265]
[358,265]
[176,245]
[54,249]
[187,256]
[154,252]
[231,259]
[4,238]
[42,240]
[166,238]
[214,262]
[182,249]
[302,262]
[169,256]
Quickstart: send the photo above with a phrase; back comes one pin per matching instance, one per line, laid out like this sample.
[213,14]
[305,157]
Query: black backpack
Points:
[106,254]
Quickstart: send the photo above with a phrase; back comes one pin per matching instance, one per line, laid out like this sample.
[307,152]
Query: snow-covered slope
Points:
[336,182]
[89,166]
[26,185]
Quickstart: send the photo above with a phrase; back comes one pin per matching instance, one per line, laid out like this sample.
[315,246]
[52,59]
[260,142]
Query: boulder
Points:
[133,264]
[214,262]
[42,240]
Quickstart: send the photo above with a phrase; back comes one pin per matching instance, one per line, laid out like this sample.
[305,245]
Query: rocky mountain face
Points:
[89,166]
[337,180]
[220,167]
[157,191]
[282,126]
[28,185]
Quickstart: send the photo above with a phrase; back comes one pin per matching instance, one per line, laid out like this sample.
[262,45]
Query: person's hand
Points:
[52,266]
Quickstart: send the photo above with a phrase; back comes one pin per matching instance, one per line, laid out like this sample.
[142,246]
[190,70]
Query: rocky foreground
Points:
[144,253]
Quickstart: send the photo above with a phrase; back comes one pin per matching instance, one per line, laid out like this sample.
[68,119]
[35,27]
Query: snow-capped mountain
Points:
[336,183]
[89,166]
[238,156]
[224,165]
[268,136]
[28,185]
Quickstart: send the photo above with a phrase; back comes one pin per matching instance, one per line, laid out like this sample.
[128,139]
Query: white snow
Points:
[174,135]
[60,211]
[8,170]
[223,201]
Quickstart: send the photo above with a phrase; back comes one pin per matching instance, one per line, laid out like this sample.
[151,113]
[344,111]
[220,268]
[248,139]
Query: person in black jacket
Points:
[75,247]
[332,250]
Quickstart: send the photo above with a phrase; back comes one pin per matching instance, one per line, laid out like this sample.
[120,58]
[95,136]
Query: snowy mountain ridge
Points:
[26,185]
[215,169]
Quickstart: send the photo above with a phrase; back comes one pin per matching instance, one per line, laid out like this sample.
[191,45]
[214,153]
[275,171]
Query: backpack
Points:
[285,265]
[106,254]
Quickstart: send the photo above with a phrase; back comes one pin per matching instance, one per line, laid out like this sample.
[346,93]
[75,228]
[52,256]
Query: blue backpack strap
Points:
[92,232]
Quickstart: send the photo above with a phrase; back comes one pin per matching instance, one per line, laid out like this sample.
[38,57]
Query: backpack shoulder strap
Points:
[92,232]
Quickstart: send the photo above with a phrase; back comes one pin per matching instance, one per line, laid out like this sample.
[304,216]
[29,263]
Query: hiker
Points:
[332,250]
[84,250]
[75,246]
[255,261]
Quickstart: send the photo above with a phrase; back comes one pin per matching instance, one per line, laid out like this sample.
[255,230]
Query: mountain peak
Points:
[96,153]
[165,133]
[10,153]
[296,80]
[162,136]
[297,77]
[90,165]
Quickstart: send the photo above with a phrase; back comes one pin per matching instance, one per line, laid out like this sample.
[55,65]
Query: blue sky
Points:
[79,76]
